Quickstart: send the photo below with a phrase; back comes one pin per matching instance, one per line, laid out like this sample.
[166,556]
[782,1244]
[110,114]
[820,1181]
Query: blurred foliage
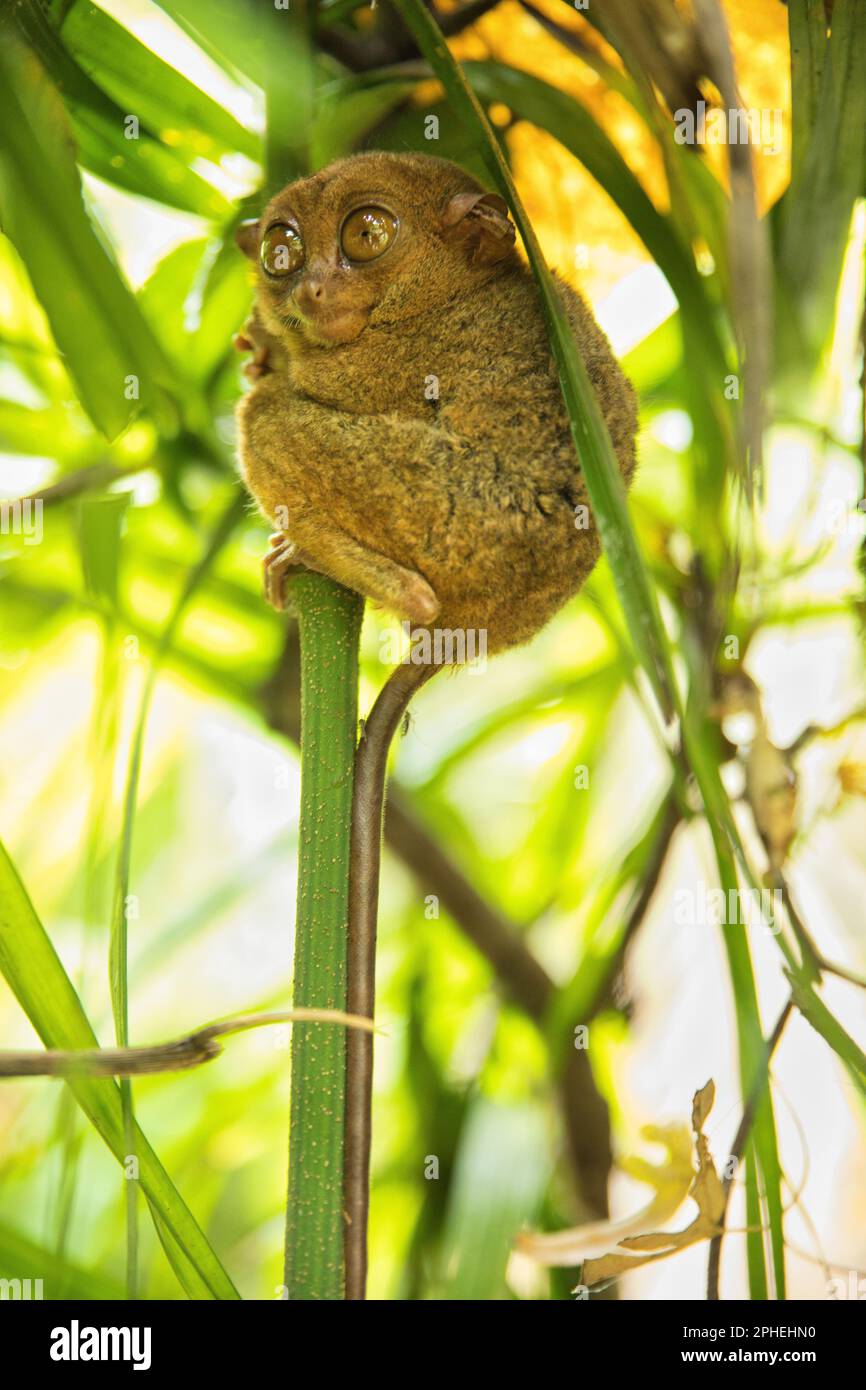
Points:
[543,814]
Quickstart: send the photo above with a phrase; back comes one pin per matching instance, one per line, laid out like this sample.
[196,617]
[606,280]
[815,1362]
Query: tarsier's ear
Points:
[481,223]
[247,237]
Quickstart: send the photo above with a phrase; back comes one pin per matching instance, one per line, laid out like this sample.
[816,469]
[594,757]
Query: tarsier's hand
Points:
[267,351]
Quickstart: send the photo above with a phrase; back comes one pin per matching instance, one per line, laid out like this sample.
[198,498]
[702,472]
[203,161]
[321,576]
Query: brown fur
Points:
[458,514]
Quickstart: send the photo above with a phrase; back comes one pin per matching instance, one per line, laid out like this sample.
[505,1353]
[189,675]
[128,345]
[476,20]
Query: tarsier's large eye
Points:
[367,232]
[282,250]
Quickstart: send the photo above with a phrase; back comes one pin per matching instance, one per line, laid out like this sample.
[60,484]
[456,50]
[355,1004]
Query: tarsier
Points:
[407,436]
[407,425]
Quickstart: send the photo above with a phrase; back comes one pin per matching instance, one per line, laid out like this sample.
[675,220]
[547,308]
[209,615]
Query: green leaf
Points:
[100,526]
[60,1278]
[36,977]
[117,958]
[807,33]
[345,111]
[196,298]
[137,162]
[118,945]
[501,1171]
[137,79]
[815,214]
[592,441]
[49,431]
[532,99]
[634,587]
[763,1145]
[272,48]
[242,35]
[816,1012]
[109,350]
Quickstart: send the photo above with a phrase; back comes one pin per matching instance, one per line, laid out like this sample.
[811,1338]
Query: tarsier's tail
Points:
[368,800]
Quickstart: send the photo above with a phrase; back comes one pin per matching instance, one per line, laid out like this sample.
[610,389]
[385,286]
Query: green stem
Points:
[330,625]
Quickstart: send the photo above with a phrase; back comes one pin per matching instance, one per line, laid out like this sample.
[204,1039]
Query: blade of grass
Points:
[99,538]
[750,280]
[807,33]
[118,972]
[501,1170]
[62,1279]
[762,1155]
[532,99]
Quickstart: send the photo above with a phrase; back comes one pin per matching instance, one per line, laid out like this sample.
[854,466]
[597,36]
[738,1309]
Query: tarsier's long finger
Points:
[283,557]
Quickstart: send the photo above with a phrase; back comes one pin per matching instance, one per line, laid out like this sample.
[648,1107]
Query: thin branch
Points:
[93,477]
[189,1051]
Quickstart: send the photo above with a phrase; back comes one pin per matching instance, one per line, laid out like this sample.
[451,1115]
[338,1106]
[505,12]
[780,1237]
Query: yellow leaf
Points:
[671,1180]
[706,1191]
[604,1247]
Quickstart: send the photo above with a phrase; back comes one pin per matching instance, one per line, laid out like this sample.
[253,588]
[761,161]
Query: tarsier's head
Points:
[371,241]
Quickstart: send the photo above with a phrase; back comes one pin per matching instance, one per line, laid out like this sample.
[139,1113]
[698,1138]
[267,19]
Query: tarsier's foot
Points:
[417,600]
[403,591]
[283,557]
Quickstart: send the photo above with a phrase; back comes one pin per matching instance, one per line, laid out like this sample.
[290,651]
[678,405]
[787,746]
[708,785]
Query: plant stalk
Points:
[330,625]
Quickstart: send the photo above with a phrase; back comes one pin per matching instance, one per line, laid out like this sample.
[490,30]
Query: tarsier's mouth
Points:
[329,329]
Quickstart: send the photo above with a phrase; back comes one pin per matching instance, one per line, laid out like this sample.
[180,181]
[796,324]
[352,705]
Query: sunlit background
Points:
[490,767]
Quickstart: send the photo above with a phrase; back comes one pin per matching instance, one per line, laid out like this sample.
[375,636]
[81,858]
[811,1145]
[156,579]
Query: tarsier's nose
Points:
[308,294]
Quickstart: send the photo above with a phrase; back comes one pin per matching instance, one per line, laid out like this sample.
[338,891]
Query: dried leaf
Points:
[671,1179]
[702,1105]
[706,1191]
